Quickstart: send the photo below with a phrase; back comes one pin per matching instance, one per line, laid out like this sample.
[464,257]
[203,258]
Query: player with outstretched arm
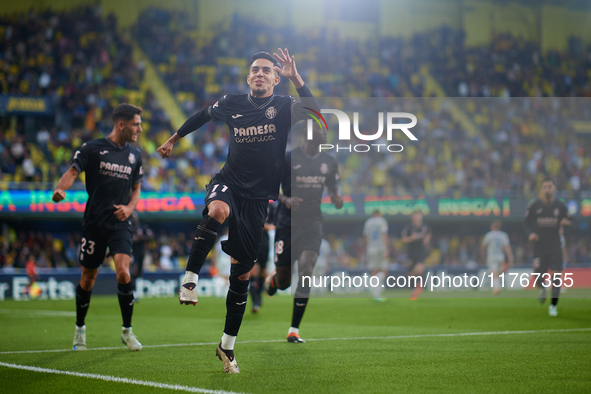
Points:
[259,124]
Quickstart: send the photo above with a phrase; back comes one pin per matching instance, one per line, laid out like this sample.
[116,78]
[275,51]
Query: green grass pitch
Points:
[407,354]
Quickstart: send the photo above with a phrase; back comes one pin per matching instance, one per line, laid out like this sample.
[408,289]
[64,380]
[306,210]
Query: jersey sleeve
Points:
[505,240]
[82,157]
[300,109]
[529,221]
[138,173]
[286,175]
[217,111]
[332,178]
[384,227]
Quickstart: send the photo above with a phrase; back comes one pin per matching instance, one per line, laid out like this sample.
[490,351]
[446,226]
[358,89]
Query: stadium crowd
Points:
[90,69]
[79,61]
[449,161]
[84,68]
[169,250]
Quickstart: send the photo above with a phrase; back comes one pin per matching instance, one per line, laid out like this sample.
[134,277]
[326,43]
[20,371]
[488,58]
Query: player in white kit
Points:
[496,245]
[375,231]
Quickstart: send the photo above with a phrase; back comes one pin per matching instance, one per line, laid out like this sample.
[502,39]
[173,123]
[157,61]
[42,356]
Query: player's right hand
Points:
[533,237]
[58,195]
[165,150]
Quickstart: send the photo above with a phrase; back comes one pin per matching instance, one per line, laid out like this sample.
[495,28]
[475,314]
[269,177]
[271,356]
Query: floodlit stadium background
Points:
[502,93]
[65,65]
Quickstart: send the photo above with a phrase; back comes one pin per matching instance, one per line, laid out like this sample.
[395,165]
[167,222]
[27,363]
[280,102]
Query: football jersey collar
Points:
[114,145]
[257,106]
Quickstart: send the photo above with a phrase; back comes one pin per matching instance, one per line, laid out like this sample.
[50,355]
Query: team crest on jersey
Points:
[131,158]
[556,212]
[323,168]
[271,112]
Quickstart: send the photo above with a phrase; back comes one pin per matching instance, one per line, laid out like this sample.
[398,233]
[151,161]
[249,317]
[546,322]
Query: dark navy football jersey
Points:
[259,129]
[111,171]
[305,177]
[416,248]
[544,220]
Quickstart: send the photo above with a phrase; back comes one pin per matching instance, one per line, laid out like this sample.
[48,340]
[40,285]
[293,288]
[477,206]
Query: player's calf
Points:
[205,237]
[270,284]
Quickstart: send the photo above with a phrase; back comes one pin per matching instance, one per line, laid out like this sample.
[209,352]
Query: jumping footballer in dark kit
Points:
[259,124]
[113,181]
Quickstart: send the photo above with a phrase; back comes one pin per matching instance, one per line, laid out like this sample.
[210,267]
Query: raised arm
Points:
[192,124]
[299,109]
[289,69]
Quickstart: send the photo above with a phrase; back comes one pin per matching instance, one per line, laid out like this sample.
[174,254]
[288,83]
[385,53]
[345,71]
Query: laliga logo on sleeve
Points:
[345,130]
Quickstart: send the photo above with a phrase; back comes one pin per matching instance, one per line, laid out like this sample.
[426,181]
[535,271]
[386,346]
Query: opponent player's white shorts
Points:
[224,264]
[376,260]
[494,264]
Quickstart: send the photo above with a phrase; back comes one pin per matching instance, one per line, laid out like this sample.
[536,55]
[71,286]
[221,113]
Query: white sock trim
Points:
[190,277]
[293,329]
[228,341]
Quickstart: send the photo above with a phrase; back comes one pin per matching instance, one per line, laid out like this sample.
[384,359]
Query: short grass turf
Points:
[551,361]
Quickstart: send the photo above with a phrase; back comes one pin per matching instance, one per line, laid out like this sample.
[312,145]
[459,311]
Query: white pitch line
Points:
[116,379]
[458,334]
[37,312]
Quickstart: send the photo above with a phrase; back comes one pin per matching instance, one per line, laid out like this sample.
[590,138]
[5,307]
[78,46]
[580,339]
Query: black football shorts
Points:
[291,241]
[245,223]
[543,262]
[94,243]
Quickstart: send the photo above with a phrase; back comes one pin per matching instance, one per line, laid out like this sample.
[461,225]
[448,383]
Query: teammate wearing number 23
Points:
[113,180]
[259,123]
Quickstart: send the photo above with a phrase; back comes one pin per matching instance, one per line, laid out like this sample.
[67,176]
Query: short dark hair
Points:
[125,112]
[263,55]
[549,179]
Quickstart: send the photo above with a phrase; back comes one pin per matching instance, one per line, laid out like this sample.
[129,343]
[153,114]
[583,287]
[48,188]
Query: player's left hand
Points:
[337,200]
[289,69]
[565,222]
[122,212]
